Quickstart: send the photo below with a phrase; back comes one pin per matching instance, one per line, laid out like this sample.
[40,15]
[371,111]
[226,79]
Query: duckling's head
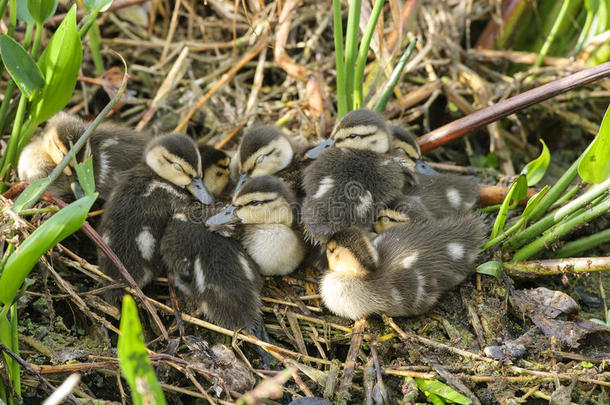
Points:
[175,158]
[404,143]
[61,130]
[215,167]
[263,151]
[262,200]
[350,252]
[388,218]
[359,129]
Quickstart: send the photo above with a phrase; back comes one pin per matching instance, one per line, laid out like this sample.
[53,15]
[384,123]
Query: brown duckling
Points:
[266,150]
[114,149]
[144,200]
[262,217]
[212,273]
[403,271]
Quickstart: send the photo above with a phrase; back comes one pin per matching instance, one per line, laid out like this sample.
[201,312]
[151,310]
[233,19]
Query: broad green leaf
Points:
[65,222]
[23,14]
[491,268]
[84,173]
[21,66]
[594,166]
[535,169]
[517,191]
[41,10]
[442,390]
[133,358]
[30,192]
[59,63]
[97,5]
[533,202]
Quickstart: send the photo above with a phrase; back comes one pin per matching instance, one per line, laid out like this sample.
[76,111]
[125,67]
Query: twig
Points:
[350,361]
[462,126]
[63,390]
[223,80]
[48,386]
[552,267]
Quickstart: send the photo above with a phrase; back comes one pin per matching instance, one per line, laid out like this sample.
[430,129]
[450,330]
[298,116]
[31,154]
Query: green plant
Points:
[351,61]
[133,358]
[540,224]
[47,85]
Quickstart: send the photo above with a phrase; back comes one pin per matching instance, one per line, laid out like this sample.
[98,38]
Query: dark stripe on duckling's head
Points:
[405,142]
[363,129]
[267,184]
[350,250]
[255,138]
[215,167]
[180,146]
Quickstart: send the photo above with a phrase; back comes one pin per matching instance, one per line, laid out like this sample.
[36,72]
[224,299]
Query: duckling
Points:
[266,150]
[114,149]
[403,271]
[215,168]
[144,200]
[212,272]
[349,183]
[403,211]
[262,216]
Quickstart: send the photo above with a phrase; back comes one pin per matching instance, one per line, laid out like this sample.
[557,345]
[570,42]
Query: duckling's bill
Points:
[198,190]
[317,151]
[225,217]
[242,180]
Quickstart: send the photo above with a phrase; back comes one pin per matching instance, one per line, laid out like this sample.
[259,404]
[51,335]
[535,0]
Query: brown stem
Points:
[535,268]
[462,126]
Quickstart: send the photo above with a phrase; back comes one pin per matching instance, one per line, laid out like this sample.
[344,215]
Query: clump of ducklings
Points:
[396,234]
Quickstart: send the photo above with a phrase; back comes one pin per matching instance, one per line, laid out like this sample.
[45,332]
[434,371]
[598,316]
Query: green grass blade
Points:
[67,221]
[133,358]
[517,192]
[389,87]
[363,53]
[339,63]
[563,12]
[351,49]
[534,170]
[595,164]
[441,390]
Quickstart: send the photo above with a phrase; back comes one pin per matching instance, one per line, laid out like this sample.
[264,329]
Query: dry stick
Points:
[551,267]
[350,361]
[223,80]
[49,387]
[281,37]
[462,126]
[92,234]
[172,29]
[165,88]
[246,338]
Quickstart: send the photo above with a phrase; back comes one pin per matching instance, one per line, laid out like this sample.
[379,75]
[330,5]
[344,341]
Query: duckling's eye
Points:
[177,167]
[261,158]
[255,203]
[352,136]
[218,174]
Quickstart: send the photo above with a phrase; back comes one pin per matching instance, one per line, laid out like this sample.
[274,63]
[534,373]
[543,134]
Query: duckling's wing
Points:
[446,194]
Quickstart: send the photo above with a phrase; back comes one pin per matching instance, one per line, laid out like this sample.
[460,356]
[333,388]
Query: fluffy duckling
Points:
[349,183]
[212,272]
[262,216]
[114,149]
[215,168]
[403,271]
[266,150]
[144,200]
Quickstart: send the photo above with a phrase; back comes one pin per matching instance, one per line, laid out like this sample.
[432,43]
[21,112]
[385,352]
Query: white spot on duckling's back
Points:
[366,201]
[246,267]
[326,184]
[453,195]
[408,261]
[199,276]
[396,295]
[180,217]
[456,250]
[421,285]
[104,166]
[106,143]
[146,243]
